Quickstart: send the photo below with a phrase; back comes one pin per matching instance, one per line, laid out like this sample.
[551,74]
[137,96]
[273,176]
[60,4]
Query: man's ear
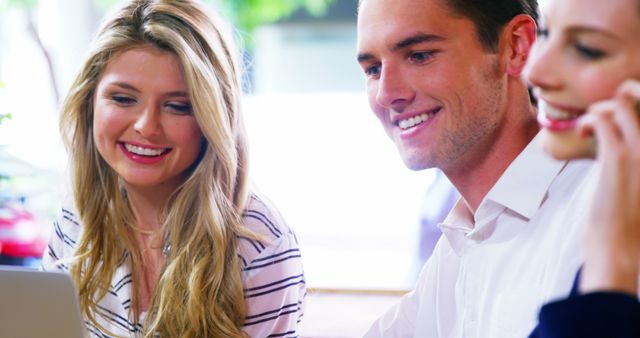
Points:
[516,40]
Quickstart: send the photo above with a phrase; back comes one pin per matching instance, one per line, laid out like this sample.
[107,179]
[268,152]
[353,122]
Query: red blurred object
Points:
[20,235]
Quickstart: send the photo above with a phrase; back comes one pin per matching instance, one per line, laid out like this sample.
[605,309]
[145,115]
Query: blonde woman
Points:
[586,71]
[164,235]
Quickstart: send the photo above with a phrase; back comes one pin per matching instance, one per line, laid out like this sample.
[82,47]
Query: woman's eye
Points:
[420,57]
[589,52]
[122,100]
[180,108]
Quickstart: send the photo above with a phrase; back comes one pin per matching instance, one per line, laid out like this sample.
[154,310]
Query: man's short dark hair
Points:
[490,16]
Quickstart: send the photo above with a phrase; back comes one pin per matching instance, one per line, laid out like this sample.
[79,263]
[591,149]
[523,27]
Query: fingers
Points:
[628,98]
[630,90]
[615,122]
[614,235]
[606,132]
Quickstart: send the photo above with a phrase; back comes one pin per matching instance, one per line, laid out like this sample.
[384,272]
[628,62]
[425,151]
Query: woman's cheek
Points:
[599,83]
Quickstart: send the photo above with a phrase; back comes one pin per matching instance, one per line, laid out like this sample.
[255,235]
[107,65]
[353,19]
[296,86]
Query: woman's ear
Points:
[516,40]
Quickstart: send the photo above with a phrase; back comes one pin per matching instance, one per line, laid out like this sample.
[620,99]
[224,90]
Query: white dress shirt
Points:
[489,277]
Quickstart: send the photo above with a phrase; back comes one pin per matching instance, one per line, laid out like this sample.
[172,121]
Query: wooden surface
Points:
[332,313]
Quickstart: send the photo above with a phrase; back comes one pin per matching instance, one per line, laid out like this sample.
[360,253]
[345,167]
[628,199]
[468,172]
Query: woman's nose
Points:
[544,67]
[148,122]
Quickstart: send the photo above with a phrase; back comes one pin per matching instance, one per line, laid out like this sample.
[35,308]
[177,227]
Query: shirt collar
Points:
[457,225]
[522,188]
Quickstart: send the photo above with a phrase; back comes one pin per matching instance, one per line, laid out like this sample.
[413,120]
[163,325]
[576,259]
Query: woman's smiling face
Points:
[143,123]
[585,50]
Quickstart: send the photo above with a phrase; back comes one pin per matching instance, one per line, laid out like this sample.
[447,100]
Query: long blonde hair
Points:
[199,292]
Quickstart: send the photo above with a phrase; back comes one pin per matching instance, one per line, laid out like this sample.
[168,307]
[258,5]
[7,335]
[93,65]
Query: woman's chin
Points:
[568,145]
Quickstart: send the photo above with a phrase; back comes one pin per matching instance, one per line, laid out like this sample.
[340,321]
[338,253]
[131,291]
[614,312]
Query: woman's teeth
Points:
[414,121]
[556,114]
[143,151]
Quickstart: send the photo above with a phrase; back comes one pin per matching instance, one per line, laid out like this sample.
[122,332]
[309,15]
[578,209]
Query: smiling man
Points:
[444,77]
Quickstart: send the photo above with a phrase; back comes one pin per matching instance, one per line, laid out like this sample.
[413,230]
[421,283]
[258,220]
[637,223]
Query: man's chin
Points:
[416,163]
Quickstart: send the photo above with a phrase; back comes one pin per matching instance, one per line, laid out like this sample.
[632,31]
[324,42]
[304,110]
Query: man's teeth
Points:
[413,121]
[143,151]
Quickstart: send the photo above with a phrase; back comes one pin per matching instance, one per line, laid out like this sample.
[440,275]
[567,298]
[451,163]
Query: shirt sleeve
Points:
[62,241]
[400,320]
[53,250]
[273,276]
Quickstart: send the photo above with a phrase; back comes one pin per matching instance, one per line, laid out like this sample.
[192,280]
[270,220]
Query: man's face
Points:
[439,94]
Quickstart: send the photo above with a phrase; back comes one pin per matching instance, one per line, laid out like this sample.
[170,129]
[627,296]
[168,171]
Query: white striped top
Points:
[272,276]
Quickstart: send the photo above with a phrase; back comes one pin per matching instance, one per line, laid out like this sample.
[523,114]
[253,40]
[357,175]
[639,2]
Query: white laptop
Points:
[36,304]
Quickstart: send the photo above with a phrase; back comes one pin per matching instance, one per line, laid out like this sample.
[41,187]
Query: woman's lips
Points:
[147,156]
[556,125]
[557,118]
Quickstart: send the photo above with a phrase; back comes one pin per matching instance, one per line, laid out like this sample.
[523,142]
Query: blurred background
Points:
[365,222]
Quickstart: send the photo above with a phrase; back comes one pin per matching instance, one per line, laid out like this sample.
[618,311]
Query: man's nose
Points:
[394,89]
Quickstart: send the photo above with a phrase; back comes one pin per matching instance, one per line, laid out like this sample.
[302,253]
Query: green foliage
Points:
[28,4]
[4,116]
[105,4]
[249,14]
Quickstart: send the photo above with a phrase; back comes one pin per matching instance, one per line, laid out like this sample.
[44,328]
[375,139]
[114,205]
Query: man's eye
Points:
[372,70]
[420,57]
[122,100]
[180,108]
[589,53]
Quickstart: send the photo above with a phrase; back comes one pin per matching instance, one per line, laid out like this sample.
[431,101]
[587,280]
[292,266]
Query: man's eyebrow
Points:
[404,43]
[365,57]
[415,39]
